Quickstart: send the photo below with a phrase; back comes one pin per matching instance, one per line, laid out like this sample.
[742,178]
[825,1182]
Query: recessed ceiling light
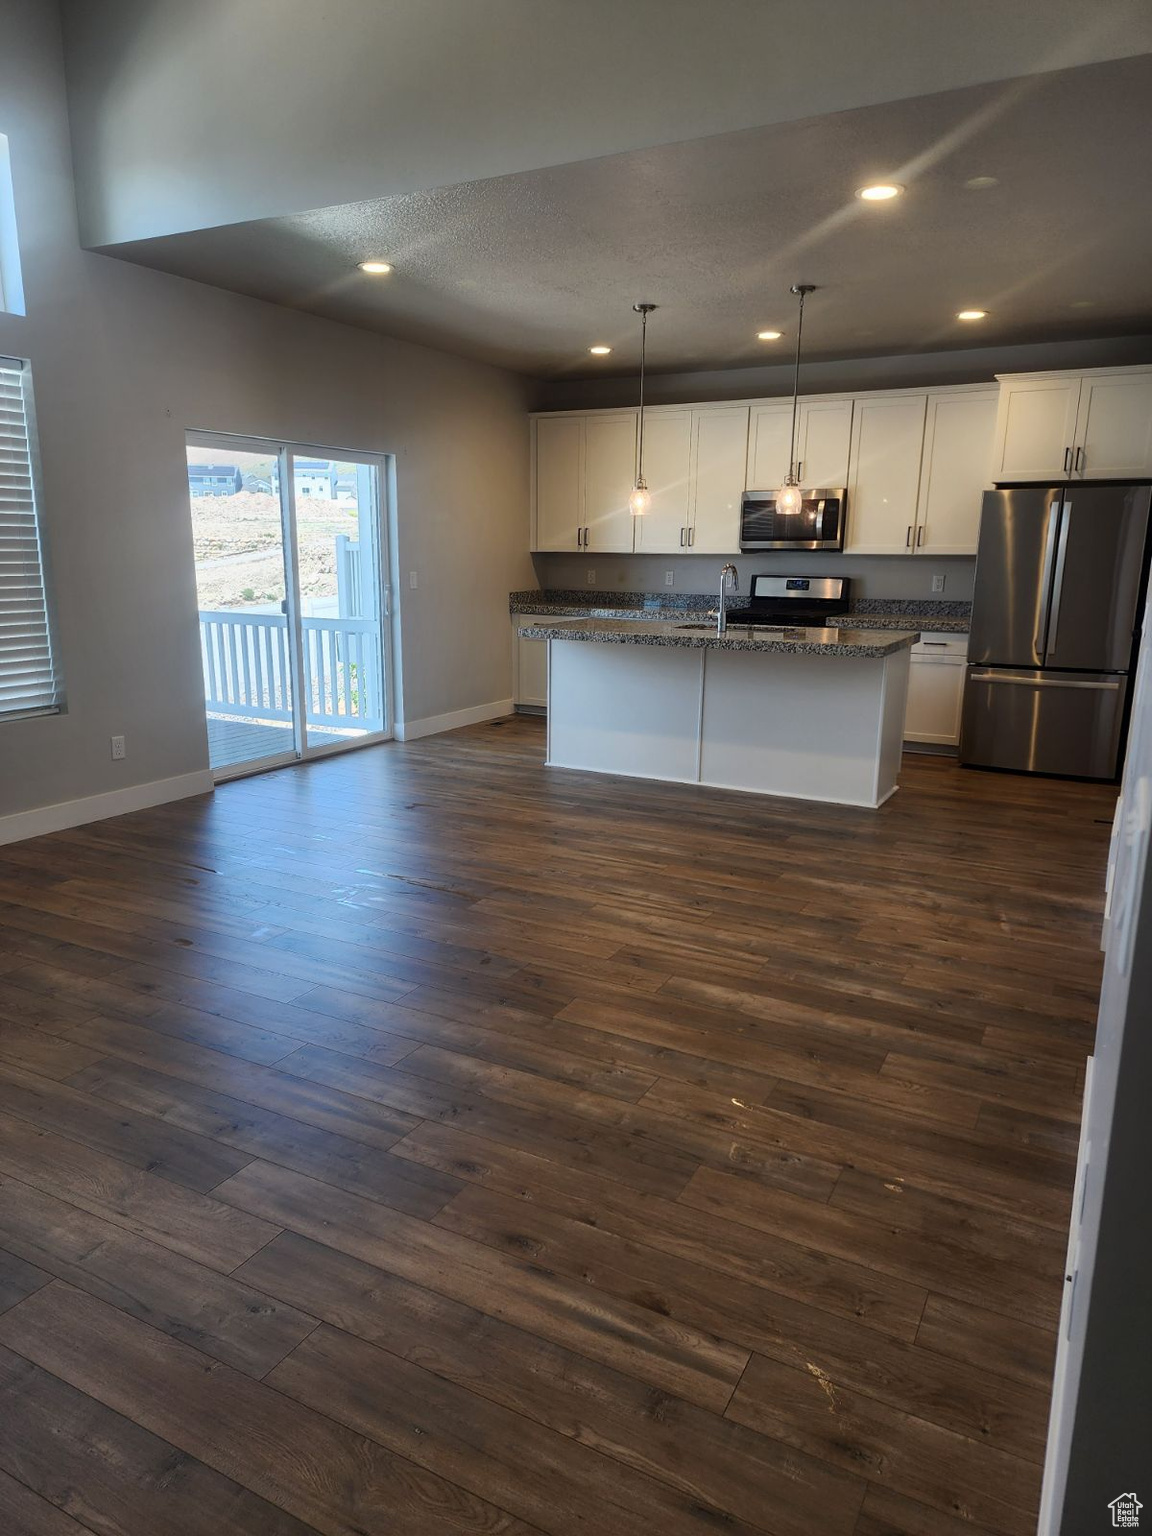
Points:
[769,335]
[971,314]
[599,351]
[881,192]
[981,183]
[376,268]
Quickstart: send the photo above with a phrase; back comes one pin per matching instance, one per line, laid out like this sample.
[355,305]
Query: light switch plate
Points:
[937,583]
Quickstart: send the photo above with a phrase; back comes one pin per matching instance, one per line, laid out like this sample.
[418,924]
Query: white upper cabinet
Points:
[1036,428]
[823,443]
[769,445]
[1114,427]
[956,471]
[1095,426]
[667,465]
[719,466]
[883,490]
[559,466]
[823,440]
[609,475]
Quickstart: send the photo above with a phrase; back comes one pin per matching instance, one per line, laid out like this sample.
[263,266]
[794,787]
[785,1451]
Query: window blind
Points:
[28,682]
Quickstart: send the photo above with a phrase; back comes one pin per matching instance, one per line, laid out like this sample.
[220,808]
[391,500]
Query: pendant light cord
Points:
[796,390]
[643,355]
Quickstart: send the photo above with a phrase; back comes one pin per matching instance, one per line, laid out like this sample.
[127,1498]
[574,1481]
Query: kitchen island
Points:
[810,714]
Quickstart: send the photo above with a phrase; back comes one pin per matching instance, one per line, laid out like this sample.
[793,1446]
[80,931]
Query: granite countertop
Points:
[739,637]
[940,618]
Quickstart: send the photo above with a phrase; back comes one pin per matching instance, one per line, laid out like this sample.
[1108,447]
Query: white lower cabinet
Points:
[936,690]
[529,668]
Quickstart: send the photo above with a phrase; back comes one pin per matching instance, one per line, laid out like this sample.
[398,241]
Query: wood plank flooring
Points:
[424,1141]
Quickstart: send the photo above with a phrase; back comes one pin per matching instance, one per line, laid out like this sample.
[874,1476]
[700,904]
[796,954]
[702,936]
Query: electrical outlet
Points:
[119,750]
[413,581]
[669,578]
[937,583]
[590,578]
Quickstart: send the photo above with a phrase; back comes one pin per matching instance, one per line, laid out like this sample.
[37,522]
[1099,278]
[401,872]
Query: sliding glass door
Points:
[290,572]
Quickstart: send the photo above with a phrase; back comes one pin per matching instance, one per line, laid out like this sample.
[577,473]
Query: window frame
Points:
[52,701]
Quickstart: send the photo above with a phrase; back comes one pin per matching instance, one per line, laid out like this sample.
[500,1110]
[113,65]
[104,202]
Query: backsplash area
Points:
[873,576]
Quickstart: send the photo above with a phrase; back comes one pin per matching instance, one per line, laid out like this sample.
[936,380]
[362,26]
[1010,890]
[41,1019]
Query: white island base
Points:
[808,727]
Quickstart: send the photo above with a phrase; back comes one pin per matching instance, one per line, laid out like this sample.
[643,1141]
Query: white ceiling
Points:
[528,270]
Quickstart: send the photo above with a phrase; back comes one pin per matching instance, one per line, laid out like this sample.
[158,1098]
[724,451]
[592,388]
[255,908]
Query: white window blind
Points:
[28,682]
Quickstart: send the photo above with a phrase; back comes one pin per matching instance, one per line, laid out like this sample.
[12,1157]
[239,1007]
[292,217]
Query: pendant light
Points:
[789,497]
[641,497]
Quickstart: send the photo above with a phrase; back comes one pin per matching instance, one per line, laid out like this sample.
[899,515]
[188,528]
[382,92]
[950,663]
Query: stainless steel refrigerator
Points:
[1059,573]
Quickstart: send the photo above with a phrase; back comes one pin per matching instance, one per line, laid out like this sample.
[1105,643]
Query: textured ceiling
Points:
[527,271]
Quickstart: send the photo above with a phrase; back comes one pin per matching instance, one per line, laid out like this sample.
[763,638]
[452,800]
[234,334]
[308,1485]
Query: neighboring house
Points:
[214,480]
[314,478]
[344,485]
[253,482]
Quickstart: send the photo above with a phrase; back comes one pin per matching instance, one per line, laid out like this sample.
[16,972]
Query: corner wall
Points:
[124,360]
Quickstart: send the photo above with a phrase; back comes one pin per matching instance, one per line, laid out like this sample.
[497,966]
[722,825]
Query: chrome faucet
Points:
[728,576]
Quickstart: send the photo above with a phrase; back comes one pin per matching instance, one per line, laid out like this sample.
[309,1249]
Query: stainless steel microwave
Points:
[819,524]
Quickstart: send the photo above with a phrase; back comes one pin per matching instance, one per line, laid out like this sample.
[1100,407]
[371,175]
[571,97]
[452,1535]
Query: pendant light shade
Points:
[790,498]
[641,498]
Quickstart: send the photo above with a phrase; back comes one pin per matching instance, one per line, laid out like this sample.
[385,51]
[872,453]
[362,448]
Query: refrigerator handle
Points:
[1058,580]
[1038,639]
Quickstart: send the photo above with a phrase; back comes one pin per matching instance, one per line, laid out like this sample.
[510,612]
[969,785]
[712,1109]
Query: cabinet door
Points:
[958,436]
[531,672]
[1035,429]
[559,492]
[769,445]
[823,437]
[935,697]
[719,467]
[1114,429]
[667,458]
[887,447]
[609,475]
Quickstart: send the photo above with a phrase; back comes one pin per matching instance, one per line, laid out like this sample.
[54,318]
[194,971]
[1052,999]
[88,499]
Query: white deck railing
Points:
[247,672]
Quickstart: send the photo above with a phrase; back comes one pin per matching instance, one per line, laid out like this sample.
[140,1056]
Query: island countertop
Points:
[688,635]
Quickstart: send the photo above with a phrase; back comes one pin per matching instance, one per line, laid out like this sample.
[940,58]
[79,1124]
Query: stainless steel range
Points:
[793,602]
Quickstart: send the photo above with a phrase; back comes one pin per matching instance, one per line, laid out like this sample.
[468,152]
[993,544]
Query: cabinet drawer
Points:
[944,647]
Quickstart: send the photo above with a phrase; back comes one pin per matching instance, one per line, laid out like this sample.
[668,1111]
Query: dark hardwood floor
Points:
[422,1141]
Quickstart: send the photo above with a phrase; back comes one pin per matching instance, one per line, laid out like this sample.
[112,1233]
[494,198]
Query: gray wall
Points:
[975,365]
[124,360]
[192,113]
[872,575]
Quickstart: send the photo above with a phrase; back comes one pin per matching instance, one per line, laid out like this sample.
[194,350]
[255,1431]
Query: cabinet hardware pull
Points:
[800,470]
[908,540]
[920,536]
[1081,463]
[691,535]
[1067,461]
[683,537]
[579,538]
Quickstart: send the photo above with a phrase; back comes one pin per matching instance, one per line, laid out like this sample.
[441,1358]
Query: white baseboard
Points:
[432,725]
[117,802]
